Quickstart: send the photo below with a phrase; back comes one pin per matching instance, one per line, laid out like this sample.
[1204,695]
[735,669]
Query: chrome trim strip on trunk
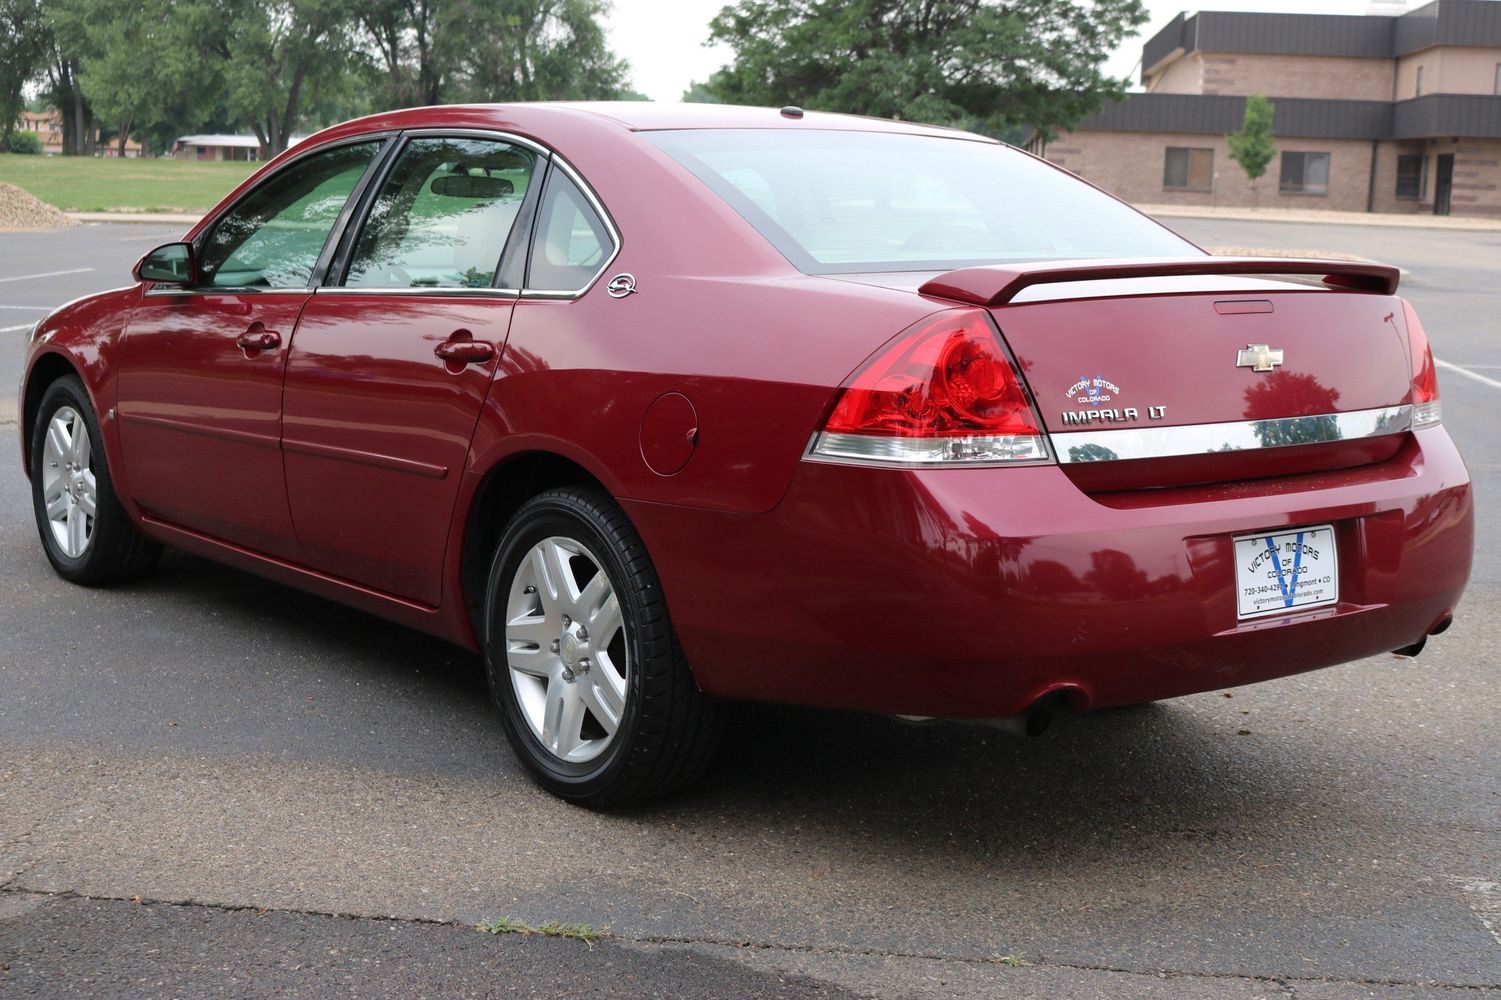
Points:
[1125,444]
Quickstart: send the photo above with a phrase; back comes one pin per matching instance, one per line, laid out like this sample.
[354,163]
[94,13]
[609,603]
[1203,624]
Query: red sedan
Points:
[659,406]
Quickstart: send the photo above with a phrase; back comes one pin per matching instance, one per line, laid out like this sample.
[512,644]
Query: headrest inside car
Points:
[471,186]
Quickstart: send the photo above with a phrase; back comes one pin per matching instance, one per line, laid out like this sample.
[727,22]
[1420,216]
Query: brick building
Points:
[1383,113]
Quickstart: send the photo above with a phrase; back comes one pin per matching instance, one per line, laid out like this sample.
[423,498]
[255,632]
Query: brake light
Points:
[943,392]
[1425,404]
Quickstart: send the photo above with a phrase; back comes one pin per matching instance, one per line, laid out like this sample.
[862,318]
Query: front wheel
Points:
[87,535]
[593,688]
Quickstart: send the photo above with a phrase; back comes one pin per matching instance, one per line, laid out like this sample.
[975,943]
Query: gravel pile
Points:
[19,210]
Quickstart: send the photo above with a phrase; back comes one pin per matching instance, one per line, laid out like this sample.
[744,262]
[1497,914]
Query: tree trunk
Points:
[125,135]
[289,112]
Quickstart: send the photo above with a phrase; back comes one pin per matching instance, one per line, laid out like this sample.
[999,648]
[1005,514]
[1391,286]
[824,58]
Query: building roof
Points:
[1474,115]
[231,140]
[1370,36]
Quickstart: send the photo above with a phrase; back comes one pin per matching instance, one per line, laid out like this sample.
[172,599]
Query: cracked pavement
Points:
[214,786]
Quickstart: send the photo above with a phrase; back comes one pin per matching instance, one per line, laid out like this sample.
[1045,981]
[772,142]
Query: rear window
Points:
[843,202]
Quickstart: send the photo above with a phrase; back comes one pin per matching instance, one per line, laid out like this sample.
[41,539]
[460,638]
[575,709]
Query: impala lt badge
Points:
[621,285]
[1258,358]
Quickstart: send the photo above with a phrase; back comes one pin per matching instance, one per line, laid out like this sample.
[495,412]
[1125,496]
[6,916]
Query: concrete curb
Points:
[140,218]
[1328,218]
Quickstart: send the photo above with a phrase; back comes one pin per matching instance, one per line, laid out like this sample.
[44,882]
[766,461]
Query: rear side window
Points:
[572,241]
[835,202]
[273,237]
[443,215]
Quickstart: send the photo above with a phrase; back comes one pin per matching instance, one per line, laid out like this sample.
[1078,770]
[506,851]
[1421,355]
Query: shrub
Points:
[26,142]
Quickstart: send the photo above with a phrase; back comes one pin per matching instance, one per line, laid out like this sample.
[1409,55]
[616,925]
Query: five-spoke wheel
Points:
[594,691]
[69,489]
[86,533]
[566,648]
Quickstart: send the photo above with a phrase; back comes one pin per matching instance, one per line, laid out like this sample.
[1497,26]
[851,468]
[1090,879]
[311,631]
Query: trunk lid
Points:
[1151,376]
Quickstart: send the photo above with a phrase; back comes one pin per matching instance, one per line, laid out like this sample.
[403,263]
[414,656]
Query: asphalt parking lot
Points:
[212,785]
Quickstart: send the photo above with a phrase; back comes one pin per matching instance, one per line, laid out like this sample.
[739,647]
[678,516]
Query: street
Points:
[214,785]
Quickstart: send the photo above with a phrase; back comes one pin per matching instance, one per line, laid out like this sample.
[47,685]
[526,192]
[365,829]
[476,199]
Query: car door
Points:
[394,357]
[200,386]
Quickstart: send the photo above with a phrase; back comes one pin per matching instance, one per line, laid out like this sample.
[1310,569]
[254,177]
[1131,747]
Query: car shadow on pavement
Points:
[1135,780]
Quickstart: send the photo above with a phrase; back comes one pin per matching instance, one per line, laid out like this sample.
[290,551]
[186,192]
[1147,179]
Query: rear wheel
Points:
[594,692]
[87,535]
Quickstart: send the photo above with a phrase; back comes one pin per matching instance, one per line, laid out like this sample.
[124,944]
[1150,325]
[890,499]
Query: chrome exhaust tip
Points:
[1029,725]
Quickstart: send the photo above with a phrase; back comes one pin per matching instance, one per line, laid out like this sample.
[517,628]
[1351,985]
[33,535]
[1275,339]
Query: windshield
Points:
[844,202]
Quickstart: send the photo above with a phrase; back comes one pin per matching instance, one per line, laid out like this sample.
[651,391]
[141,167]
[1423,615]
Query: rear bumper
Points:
[970,593]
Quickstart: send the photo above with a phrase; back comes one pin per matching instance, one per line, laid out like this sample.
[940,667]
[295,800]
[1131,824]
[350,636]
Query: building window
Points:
[1418,90]
[1305,173]
[1188,169]
[1409,177]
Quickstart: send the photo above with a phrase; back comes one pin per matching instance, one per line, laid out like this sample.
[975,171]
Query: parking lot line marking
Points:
[35,308]
[48,274]
[13,329]
[1482,379]
[1484,897]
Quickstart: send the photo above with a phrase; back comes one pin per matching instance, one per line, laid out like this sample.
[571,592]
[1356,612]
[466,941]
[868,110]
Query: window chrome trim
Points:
[1130,443]
[604,215]
[554,160]
[485,292]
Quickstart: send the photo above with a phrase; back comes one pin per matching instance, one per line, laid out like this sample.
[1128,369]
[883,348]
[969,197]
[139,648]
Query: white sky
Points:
[664,39]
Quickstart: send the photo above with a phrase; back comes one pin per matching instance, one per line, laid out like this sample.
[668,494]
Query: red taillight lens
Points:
[942,392]
[1425,405]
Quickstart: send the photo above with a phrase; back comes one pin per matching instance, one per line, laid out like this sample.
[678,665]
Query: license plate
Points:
[1285,571]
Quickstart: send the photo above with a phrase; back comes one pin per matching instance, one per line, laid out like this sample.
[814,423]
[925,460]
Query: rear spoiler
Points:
[997,284]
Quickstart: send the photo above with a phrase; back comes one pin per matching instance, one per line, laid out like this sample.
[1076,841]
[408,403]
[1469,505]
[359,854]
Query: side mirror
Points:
[168,264]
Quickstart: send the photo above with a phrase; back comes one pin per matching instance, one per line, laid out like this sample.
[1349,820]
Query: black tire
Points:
[668,729]
[116,551]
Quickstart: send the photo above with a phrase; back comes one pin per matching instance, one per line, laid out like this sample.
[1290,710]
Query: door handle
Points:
[258,338]
[463,351]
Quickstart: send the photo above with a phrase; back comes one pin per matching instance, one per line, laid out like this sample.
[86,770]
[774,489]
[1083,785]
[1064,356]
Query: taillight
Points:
[943,392]
[1425,405]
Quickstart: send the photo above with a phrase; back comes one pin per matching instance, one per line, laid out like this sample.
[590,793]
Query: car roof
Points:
[636,116]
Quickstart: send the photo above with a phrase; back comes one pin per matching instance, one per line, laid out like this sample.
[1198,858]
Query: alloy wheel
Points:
[566,649]
[69,490]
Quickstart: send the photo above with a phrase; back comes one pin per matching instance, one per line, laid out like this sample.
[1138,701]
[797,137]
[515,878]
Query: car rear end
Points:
[1112,477]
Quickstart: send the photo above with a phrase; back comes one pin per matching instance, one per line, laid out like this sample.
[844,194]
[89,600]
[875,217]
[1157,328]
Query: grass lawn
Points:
[89,184]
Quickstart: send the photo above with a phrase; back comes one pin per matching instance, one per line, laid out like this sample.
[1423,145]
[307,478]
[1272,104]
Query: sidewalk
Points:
[149,218]
[1327,218]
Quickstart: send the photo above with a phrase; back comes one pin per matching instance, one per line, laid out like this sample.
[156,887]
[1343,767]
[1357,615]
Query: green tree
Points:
[136,67]
[992,65]
[411,48]
[700,93]
[24,27]
[26,142]
[532,50]
[273,55]
[1252,147]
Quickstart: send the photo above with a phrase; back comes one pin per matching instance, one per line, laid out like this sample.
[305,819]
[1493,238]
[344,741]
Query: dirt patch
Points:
[20,210]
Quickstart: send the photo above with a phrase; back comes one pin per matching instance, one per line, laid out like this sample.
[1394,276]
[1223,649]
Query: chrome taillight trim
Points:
[978,450]
[1126,444]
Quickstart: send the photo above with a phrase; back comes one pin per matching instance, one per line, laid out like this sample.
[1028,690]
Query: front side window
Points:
[844,202]
[1409,177]
[1188,169]
[273,237]
[572,241]
[1305,173]
[443,215]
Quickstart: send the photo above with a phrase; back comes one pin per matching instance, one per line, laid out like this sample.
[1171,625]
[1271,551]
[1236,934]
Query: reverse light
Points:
[944,392]
[1425,405]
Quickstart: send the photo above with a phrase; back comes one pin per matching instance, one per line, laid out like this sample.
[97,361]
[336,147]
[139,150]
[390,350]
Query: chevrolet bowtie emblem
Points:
[1258,358]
